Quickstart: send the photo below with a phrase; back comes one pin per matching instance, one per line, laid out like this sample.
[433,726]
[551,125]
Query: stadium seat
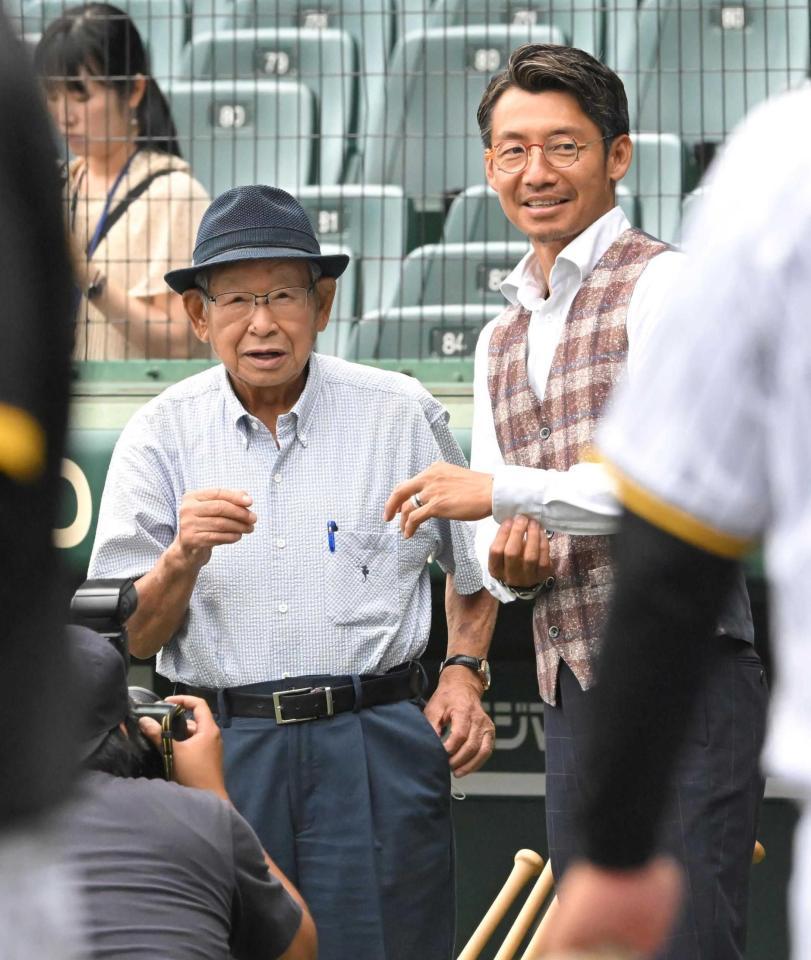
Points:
[371,24]
[476,216]
[458,273]
[162,26]
[424,135]
[322,60]
[579,21]
[411,15]
[419,333]
[661,172]
[245,131]
[694,68]
[344,310]
[375,223]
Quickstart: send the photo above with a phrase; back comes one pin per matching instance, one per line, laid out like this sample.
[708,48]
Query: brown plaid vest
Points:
[557,432]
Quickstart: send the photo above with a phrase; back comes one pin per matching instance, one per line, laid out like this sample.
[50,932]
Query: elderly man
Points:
[249,501]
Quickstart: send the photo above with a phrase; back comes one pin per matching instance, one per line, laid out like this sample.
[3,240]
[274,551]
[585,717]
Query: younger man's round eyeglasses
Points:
[512,156]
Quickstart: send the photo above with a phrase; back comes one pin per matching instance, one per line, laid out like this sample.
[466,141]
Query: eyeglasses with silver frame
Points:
[512,156]
[241,304]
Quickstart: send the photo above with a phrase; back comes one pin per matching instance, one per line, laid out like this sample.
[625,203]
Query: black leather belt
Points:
[296,704]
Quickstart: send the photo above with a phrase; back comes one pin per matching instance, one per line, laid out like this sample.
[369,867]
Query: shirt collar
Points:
[301,411]
[526,283]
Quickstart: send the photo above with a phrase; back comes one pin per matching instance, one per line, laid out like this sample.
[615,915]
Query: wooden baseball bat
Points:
[527,864]
[537,945]
[530,910]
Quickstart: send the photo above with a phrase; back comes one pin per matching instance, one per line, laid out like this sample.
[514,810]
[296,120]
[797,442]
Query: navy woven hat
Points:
[254,223]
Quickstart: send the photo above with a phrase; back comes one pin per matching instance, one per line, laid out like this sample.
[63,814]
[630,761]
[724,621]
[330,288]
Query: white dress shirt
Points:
[581,499]
[289,600]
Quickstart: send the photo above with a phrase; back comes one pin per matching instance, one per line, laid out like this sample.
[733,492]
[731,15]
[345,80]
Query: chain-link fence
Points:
[366,110]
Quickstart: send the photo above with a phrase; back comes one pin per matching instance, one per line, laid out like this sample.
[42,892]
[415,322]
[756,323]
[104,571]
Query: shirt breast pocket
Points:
[363,588]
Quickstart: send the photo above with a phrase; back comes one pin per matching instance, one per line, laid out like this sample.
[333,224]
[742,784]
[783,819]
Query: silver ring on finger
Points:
[415,499]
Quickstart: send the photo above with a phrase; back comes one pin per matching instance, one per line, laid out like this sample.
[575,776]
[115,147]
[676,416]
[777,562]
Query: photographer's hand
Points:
[198,760]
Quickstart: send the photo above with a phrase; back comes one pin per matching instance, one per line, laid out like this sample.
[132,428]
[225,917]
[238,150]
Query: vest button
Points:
[554,633]
[549,583]
[546,433]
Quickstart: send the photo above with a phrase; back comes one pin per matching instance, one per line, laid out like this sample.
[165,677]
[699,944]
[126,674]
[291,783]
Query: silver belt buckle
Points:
[277,704]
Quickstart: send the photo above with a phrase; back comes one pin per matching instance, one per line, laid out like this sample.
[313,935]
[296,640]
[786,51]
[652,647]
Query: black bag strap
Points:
[131,197]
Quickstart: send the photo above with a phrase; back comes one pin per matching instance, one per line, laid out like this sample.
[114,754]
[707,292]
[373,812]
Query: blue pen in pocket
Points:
[332,528]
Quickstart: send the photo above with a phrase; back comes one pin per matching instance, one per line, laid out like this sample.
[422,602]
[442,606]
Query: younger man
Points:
[583,303]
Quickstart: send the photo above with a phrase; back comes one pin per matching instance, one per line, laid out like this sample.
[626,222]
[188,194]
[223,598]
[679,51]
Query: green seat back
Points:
[694,68]
[660,173]
[458,273]
[424,136]
[324,61]
[369,22]
[374,222]
[579,21]
[419,333]
[245,131]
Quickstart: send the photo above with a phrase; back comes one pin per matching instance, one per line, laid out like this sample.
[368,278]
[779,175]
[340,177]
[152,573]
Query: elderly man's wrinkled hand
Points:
[519,554]
[442,490]
[456,707]
[209,518]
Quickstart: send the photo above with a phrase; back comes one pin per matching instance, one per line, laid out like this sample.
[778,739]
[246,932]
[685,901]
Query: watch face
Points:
[484,673]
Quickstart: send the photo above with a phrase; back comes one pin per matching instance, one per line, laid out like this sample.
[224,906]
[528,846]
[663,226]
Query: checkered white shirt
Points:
[717,447]
[280,602]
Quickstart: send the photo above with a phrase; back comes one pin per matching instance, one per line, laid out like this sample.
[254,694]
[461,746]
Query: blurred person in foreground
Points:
[36,296]
[132,203]
[247,502]
[167,870]
[710,457]
[585,303]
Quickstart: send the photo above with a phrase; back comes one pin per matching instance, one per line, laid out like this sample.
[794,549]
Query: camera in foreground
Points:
[105,606]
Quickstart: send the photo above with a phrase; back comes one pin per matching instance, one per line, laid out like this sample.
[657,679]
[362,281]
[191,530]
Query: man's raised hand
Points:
[442,490]
[210,518]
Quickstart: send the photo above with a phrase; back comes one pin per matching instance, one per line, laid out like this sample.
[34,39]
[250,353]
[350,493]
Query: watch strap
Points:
[478,666]
[462,660]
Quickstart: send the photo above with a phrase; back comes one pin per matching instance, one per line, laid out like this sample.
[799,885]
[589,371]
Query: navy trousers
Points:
[713,803]
[356,810]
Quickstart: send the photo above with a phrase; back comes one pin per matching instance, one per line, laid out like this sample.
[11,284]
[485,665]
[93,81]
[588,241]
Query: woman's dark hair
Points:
[536,67]
[126,755]
[101,41]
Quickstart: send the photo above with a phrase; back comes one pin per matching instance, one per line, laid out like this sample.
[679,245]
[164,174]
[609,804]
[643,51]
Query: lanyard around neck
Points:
[98,233]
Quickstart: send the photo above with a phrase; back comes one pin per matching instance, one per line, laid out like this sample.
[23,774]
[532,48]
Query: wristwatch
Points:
[529,593]
[480,667]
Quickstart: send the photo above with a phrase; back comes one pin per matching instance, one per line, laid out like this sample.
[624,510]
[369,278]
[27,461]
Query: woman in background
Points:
[133,205]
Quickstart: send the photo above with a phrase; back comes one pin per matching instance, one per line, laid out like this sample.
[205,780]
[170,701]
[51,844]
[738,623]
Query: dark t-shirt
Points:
[174,873]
